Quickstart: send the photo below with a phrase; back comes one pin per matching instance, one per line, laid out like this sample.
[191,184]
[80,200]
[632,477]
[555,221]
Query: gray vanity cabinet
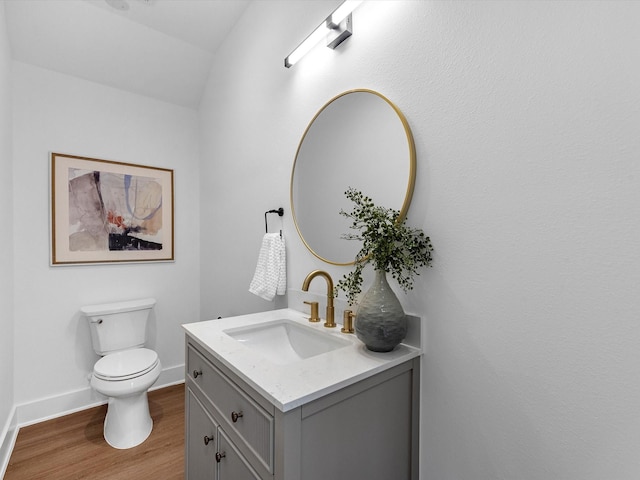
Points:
[366,430]
[227,432]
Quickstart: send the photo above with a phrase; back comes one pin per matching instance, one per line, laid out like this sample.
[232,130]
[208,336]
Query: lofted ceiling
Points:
[159,48]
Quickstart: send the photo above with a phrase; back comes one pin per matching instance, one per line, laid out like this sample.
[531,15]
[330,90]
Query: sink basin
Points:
[284,341]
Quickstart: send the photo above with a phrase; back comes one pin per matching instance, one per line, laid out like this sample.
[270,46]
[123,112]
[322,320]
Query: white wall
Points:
[525,117]
[6,239]
[253,114]
[54,112]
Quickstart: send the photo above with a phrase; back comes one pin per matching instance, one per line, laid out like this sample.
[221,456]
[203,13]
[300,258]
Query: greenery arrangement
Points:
[387,243]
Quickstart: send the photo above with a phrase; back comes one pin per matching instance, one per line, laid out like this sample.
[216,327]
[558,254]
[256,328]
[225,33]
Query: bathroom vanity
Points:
[271,396]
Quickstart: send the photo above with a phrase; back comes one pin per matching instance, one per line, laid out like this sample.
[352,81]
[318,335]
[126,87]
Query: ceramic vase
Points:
[380,321]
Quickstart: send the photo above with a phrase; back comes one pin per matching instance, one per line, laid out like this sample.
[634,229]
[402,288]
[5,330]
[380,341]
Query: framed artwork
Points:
[104,211]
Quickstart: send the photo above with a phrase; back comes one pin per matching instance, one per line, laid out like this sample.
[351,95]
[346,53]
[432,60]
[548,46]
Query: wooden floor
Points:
[72,447]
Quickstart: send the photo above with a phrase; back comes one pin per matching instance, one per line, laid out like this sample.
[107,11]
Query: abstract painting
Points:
[104,211]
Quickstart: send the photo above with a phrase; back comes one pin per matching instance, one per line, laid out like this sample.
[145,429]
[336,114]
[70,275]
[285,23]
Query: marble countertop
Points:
[292,385]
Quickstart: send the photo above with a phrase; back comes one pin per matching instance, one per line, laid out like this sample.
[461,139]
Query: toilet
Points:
[126,370]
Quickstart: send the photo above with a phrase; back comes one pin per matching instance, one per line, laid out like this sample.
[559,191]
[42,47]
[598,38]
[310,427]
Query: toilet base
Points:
[128,422]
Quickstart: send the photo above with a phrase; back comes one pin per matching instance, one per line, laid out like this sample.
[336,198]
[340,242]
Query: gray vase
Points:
[380,321]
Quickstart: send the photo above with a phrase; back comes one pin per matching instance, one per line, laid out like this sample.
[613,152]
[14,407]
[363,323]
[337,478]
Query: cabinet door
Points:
[201,441]
[231,464]
[364,436]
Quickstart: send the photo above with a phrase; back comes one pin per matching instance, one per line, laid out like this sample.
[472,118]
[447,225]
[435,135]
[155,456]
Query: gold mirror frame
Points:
[411,172]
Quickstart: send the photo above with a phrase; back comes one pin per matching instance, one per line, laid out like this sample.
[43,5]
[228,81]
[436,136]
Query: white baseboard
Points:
[9,434]
[71,402]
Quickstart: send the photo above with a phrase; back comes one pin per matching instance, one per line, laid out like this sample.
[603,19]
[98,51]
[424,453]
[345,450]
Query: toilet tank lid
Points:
[117,307]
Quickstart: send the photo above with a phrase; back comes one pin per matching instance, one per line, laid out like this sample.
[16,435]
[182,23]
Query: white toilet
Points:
[126,370]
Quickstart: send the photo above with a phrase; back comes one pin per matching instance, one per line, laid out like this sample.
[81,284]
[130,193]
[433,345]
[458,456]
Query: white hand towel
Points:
[270,277]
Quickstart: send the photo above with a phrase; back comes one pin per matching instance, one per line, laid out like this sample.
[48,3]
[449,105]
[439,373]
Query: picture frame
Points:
[105,211]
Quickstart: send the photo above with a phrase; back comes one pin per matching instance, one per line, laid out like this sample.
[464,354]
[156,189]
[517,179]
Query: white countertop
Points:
[289,386]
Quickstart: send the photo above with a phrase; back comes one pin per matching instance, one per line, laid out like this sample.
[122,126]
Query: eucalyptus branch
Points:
[388,243]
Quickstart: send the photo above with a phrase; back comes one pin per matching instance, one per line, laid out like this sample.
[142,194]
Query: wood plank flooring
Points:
[72,447]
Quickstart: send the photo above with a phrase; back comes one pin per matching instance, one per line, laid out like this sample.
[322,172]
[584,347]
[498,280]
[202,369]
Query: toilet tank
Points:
[118,326]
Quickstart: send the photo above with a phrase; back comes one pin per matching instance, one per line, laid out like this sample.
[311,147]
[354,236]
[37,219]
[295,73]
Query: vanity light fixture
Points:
[335,29]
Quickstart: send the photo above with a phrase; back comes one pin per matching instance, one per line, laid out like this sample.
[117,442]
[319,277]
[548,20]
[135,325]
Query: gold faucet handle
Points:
[347,321]
[315,317]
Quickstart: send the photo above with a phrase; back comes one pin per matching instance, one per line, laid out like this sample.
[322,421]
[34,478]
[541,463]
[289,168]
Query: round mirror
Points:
[358,139]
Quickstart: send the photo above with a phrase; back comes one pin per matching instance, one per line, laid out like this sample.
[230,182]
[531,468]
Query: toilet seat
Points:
[126,364]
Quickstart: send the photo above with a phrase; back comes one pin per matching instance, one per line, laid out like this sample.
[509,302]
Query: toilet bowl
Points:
[125,377]
[126,370]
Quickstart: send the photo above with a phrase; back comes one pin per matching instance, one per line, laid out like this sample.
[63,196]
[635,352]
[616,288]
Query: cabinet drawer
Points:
[237,412]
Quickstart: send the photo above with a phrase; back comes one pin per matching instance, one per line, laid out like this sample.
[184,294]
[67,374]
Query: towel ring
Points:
[279,211]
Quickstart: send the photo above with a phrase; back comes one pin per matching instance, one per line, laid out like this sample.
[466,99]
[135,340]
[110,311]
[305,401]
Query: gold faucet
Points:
[329,321]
